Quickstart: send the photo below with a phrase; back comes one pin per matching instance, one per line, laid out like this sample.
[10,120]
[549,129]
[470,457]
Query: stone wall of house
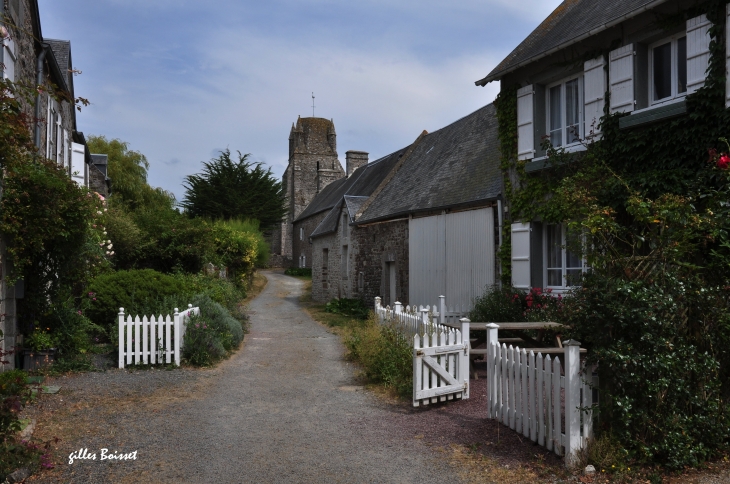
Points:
[325,268]
[300,239]
[374,247]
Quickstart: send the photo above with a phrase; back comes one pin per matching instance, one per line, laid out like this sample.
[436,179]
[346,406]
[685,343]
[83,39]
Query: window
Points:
[9,59]
[345,268]
[345,226]
[565,112]
[563,262]
[325,258]
[668,69]
[301,233]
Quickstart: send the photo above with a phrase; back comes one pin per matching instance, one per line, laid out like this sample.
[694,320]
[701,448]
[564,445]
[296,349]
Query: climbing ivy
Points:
[653,309]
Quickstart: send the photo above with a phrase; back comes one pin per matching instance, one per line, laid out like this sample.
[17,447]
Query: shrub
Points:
[211,335]
[298,271]
[135,290]
[348,307]
[202,345]
[385,355]
[661,353]
[14,395]
[223,291]
[507,304]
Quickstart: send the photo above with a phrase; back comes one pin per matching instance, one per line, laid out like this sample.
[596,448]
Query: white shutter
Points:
[78,163]
[698,52]
[621,77]
[594,80]
[521,255]
[525,123]
[9,59]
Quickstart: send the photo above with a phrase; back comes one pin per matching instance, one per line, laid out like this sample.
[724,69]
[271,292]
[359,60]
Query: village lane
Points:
[284,408]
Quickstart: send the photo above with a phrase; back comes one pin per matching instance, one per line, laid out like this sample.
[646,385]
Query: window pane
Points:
[572,111]
[662,71]
[554,246]
[682,65]
[555,277]
[572,251]
[556,116]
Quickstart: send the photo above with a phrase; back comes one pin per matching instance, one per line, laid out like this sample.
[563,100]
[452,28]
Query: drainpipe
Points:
[39,82]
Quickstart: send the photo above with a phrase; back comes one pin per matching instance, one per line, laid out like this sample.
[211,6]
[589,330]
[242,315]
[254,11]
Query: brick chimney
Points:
[354,160]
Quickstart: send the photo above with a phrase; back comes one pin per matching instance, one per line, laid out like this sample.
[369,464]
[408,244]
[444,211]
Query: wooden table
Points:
[536,345]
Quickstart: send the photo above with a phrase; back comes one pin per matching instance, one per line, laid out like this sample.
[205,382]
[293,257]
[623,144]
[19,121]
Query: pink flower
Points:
[723,162]
[78,312]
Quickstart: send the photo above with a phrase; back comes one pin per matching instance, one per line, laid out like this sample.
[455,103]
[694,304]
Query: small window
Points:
[301,233]
[325,258]
[563,262]
[565,112]
[345,267]
[668,69]
[345,226]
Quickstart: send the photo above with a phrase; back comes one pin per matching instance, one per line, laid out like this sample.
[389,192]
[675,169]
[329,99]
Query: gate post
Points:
[377,309]
[572,402]
[424,318]
[464,367]
[442,310]
[177,325]
[492,337]
[121,338]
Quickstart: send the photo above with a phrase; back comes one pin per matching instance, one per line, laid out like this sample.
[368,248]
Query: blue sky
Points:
[181,79]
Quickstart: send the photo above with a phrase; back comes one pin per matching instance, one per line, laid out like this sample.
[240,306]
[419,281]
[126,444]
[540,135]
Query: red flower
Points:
[723,162]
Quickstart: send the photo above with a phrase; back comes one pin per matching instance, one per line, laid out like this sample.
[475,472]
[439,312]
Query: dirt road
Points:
[285,408]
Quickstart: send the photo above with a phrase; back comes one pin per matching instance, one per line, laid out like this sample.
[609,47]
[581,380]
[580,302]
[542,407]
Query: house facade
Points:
[43,65]
[641,60]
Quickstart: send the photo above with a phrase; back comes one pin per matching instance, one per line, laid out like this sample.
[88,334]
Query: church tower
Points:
[313,164]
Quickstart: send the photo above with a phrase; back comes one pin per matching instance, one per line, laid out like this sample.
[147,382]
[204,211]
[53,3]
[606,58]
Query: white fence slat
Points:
[145,340]
[417,368]
[525,396]
[540,400]
[518,390]
[122,345]
[137,338]
[549,401]
[512,402]
[505,388]
[531,397]
[452,360]
[557,414]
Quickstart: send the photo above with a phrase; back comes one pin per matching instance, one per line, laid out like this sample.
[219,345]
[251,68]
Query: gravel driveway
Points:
[284,408]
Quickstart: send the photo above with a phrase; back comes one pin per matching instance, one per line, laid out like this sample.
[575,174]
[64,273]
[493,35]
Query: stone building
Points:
[44,66]
[419,223]
[313,165]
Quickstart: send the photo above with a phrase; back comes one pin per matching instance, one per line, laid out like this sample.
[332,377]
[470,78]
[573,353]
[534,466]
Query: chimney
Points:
[354,160]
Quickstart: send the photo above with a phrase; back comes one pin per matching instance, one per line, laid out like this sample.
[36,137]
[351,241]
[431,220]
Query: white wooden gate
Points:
[152,340]
[440,353]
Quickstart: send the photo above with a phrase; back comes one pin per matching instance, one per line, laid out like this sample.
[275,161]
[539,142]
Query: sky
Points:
[180,80]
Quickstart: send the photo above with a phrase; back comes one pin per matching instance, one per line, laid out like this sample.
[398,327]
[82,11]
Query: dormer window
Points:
[565,112]
[668,69]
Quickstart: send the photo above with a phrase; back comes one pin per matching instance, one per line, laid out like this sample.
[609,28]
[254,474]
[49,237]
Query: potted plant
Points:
[39,350]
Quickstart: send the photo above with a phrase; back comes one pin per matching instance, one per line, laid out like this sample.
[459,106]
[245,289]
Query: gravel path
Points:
[284,408]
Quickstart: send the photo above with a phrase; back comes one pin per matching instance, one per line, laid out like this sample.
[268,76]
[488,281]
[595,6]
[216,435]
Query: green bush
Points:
[223,291]
[212,335]
[137,291]
[661,352]
[385,355]
[298,271]
[348,307]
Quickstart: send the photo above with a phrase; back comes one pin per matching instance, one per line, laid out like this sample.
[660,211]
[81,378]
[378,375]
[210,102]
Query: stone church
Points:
[313,164]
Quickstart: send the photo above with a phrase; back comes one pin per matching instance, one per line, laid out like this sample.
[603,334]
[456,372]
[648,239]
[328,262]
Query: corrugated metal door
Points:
[426,251]
[469,256]
[451,255]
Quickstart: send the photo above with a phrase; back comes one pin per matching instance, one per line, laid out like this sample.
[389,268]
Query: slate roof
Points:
[62,53]
[355,192]
[569,23]
[456,165]
[363,181]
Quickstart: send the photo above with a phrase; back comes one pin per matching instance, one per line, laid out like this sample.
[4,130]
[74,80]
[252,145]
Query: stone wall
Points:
[300,238]
[375,247]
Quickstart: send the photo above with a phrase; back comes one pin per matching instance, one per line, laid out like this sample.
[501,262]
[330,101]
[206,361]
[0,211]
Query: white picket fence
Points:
[440,353]
[530,394]
[413,319]
[152,340]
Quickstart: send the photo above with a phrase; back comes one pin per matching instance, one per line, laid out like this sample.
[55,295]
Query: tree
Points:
[128,172]
[227,189]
